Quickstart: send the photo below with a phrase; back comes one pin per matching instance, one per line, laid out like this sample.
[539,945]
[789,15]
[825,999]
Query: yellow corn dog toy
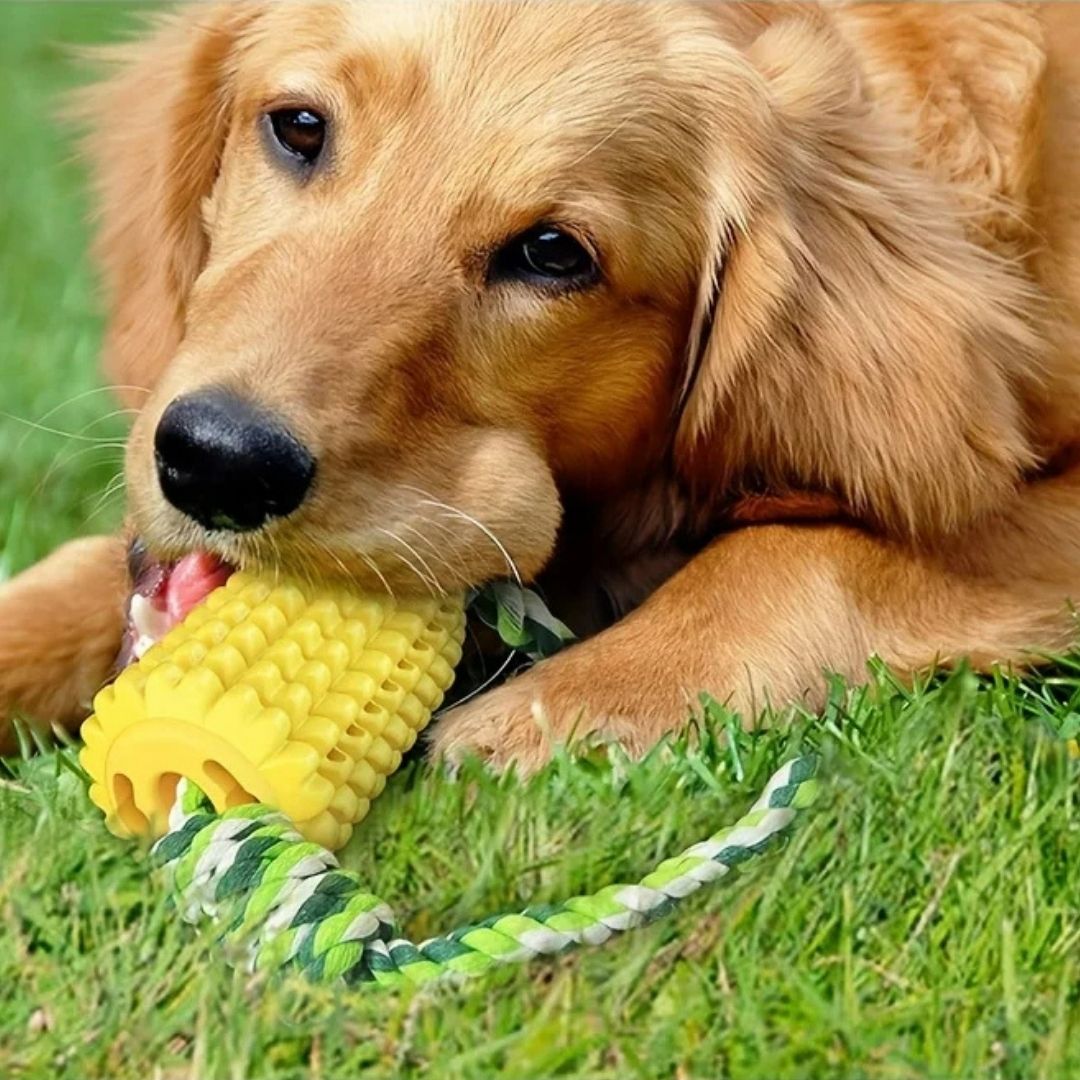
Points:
[271,691]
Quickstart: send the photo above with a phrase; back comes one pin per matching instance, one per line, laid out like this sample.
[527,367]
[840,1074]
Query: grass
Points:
[922,922]
[51,487]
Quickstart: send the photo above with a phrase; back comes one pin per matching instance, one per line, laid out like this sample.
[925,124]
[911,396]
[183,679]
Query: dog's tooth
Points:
[150,624]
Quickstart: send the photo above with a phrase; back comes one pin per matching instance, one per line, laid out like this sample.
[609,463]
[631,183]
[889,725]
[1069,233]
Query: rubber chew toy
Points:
[276,693]
[256,734]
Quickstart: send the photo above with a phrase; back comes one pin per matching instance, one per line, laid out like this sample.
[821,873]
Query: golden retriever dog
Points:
[749,331]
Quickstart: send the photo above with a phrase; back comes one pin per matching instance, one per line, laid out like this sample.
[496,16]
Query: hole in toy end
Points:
[146,762]
[128,814]
[166,789]
[230,791]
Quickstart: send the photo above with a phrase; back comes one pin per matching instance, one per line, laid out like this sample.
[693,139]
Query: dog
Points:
[750,332]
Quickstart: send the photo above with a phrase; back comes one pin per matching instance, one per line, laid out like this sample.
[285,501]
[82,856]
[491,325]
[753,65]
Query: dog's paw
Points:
[559,702]
[508,724]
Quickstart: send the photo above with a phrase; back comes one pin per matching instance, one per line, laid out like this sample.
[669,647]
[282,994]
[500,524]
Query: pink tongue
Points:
[192,580]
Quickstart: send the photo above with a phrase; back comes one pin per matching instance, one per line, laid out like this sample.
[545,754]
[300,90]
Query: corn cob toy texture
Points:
[273,692]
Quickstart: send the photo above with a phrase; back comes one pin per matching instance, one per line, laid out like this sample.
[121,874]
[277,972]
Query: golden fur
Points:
[824,402]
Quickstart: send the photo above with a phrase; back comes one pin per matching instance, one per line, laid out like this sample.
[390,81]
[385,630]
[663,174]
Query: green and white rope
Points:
[286,903]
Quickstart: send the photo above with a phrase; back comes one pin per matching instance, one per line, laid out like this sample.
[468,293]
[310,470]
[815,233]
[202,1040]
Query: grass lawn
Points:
[922,922]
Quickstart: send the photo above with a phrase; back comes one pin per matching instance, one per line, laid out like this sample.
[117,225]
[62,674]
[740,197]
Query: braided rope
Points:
[285,902]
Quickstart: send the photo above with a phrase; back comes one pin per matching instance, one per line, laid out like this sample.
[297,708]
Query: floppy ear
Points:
[851,340]
[157,128]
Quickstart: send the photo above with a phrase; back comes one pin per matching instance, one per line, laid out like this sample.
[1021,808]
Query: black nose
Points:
[228,463]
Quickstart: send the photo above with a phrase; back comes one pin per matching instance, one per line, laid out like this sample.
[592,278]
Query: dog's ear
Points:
[849,339]
[156,129]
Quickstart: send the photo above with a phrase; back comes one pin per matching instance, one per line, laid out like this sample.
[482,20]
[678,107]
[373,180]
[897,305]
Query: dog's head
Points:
[403,276]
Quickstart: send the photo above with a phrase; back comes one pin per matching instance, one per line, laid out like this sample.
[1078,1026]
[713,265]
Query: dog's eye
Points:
[299,132]
[545,254]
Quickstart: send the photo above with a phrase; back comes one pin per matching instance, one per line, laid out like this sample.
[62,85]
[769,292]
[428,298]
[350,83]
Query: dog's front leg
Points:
[761,614]
[61,623]
[758,612]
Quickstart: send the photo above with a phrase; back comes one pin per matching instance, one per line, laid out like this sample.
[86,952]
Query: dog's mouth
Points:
[162,595]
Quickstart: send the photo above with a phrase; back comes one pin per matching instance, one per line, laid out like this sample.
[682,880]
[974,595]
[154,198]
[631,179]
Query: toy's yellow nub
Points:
[303,699]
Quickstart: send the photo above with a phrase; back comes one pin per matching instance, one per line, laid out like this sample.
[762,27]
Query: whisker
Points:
[305,568]
[420,577]
[86,394]
[115,484]
[373,566]
[57,431]
[309,567]
[64,457]
[429,579]
[481,526]
[107,416]
[329,551]
[494,677]
[600,142]
[275,554]
[458,572]
[113,488]
[108,505]
[60,459]
[370,563]
[456,512]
